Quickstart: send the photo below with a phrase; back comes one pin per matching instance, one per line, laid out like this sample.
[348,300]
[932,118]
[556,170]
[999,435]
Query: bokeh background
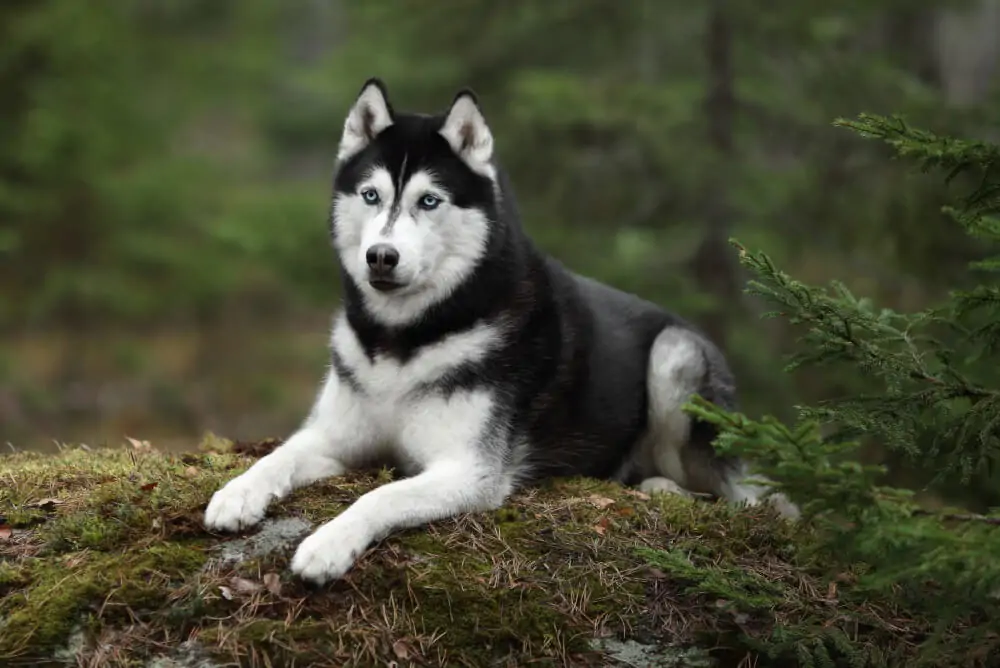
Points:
[165,170]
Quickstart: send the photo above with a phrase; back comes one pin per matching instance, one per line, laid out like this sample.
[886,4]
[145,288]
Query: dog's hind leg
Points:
[334,437]
[678,450]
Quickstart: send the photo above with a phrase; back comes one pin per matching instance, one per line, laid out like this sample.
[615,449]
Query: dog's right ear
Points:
[370,115]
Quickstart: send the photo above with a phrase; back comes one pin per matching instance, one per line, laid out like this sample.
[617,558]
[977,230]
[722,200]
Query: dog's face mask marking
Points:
[414,197]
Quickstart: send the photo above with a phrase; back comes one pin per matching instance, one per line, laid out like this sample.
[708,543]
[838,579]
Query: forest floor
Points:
[104,562]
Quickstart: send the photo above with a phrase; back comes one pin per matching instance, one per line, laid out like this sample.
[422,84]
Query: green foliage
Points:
[102,216]
[936,400]
[928,391]
[165,167]
[145,172]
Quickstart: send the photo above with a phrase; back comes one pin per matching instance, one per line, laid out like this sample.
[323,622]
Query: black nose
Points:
[382,258]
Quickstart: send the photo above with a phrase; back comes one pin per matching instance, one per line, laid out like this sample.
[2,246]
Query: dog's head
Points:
[414,200]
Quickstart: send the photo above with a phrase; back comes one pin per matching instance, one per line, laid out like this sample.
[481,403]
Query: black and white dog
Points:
[471,360]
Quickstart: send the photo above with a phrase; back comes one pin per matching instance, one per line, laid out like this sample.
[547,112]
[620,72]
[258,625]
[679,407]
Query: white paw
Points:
[784,506]
[329,552]
[241,503]
[661,485]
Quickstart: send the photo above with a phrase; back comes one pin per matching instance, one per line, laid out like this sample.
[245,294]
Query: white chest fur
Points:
[385,378]
[391,395]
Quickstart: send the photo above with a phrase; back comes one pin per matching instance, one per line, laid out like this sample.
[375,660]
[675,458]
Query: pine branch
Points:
[958,517]
[920,380]
[929,150]
[929,401]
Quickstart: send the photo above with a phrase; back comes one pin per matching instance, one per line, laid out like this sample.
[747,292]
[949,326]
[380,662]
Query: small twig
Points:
[959,517]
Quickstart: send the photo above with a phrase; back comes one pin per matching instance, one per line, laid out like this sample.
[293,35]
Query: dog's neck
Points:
[497,276]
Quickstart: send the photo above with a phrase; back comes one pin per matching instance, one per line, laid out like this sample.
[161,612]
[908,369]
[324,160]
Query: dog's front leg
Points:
[330,440]
[456,442]
[444,489]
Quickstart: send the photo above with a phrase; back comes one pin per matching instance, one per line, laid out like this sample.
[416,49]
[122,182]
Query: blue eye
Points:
[429,202]
[370,196]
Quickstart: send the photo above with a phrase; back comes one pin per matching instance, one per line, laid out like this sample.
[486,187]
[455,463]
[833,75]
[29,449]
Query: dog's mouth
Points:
[384,284]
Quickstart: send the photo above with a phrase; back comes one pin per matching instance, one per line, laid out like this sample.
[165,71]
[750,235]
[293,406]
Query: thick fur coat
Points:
[471,360]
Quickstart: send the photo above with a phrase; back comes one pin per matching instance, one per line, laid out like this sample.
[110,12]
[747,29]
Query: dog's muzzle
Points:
[382,260]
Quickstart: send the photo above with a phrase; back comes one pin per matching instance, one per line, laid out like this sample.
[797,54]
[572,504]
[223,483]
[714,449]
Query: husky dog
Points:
[471,360]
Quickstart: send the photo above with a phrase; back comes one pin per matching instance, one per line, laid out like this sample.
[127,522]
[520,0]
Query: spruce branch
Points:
[928,397]
[929,150]
[919,377]
[958,517]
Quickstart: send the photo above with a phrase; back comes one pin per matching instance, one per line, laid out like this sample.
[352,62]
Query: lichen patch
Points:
[274,535]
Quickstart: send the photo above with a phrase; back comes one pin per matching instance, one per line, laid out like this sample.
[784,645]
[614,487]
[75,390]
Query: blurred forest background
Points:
[165,166]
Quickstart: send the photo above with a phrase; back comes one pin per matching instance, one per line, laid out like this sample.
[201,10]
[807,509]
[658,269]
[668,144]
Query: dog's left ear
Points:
[467,133]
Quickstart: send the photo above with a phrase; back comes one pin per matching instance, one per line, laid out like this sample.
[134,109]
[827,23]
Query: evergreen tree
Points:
[938,402]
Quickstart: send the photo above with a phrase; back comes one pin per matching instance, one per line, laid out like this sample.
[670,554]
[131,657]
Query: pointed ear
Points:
[467,133]
[370,115]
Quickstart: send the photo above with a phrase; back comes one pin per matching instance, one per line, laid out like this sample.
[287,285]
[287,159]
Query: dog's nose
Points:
[382,258]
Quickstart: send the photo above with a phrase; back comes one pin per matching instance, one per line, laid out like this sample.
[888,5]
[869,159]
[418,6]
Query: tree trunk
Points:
[967,51]
[713,264]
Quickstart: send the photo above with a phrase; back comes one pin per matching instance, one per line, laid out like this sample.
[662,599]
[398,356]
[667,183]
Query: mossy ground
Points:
[107,547]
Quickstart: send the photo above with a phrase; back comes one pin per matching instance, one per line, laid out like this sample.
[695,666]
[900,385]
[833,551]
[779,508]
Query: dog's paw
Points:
[241,503]
[329,553]
[784,506]
[661,485]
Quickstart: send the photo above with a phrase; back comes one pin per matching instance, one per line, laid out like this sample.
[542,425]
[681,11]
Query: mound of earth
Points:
[104,562]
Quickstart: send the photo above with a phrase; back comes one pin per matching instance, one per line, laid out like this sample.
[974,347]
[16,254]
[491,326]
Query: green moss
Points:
[741,588]
[24,517]
[55,592]
[82,531]
[123,555]
[13,575]
[507,515]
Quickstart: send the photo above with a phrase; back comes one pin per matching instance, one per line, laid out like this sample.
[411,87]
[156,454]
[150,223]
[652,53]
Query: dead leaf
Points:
[627,511]
[831,591]
[191,471]
[273,583]
[403,649]
[72,561]
[6,531]
[227,593]
[157,523]
[46,504]
[140,446]
[637,494]
[602,525]
[600,501]
[148,487]
[244,586]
